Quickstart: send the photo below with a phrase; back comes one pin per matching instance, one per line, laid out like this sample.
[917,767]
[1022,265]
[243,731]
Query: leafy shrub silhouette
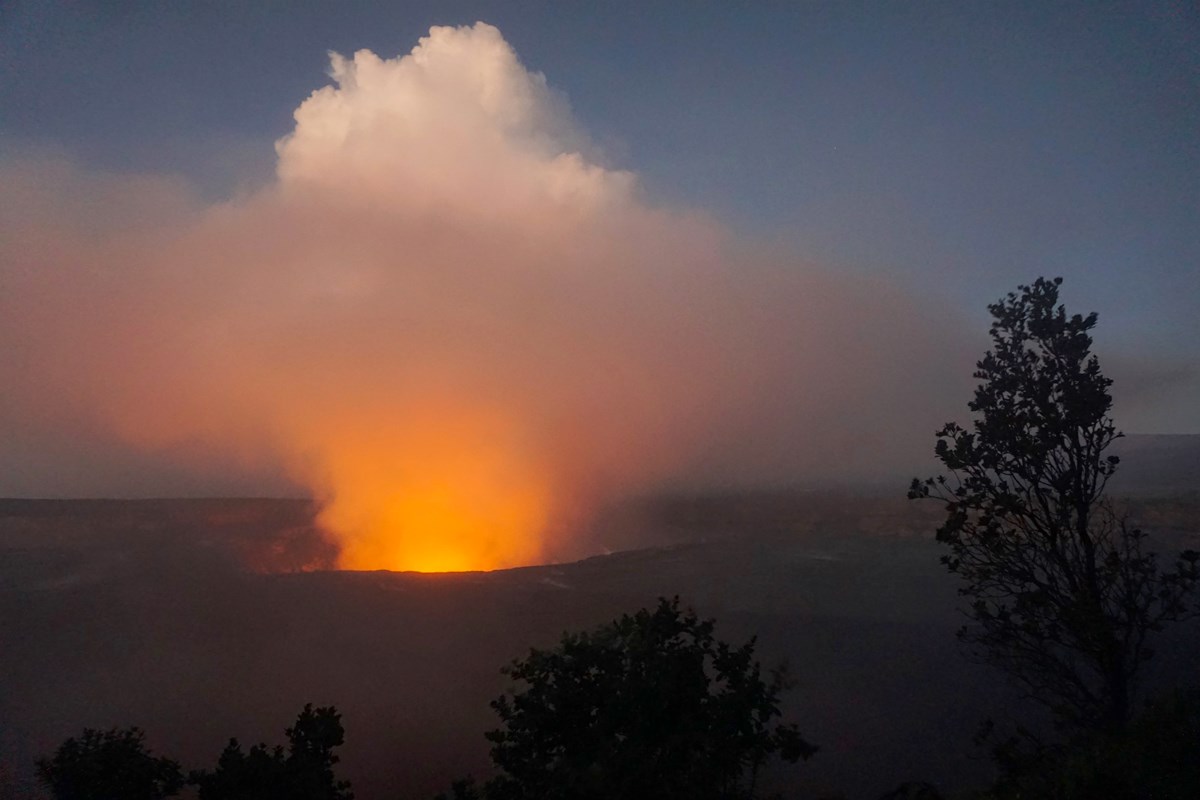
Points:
[650,705]
[303,772]
[109,765]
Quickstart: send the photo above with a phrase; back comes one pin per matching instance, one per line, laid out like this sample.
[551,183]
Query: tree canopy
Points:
[109,765]
[304,772]
[650,705]
[115,765]
[1064,595]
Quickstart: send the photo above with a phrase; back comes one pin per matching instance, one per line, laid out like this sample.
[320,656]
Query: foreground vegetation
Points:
[116,765]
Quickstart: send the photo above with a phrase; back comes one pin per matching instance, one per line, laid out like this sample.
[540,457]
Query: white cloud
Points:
[458,111]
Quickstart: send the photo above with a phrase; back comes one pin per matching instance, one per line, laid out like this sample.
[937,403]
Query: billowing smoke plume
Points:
[445,319]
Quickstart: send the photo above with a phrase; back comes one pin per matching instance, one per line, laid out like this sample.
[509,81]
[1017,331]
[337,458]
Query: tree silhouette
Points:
[304,772]
[109,765]
[1063,594]
[648,706]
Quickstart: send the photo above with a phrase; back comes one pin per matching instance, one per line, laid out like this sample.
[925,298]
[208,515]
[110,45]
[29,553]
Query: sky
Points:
[571,251]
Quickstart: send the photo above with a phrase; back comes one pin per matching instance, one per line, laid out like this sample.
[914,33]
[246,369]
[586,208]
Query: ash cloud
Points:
[444,305]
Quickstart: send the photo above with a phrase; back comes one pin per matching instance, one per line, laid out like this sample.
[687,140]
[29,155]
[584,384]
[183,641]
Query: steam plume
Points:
[446,319]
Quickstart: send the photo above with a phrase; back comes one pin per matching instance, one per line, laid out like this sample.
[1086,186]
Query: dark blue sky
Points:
[963,147]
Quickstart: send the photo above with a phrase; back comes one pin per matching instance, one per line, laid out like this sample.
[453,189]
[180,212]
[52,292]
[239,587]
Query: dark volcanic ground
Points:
[156,613]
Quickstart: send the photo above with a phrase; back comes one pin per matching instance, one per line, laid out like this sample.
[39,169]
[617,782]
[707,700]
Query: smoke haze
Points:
[446,319]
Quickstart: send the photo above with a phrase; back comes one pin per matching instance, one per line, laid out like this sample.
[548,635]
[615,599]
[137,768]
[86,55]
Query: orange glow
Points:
[440,493]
